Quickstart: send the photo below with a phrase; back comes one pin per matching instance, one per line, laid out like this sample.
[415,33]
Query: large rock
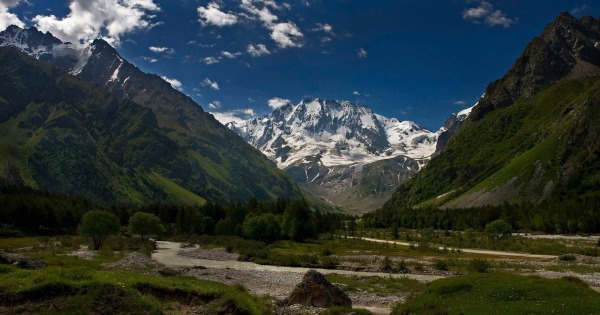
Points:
[21,261]
[315,290]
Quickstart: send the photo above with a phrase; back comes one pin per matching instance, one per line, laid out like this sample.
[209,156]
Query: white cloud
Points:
[230,55]
[211,14]
[215,104]
[237,116]
[149,59]
[161,50]
[211,60]
[356,93]
[213,85]
[257,50]
[286,35]
[460,103]
[479,12]
[485,12]
[325,39]
[362,53]
[7,18]
[90,19]
[324,27]
[277,102]
[251,100]
[174,82]
[499,18]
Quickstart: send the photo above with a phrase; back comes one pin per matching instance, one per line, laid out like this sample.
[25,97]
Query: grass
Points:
[376,285]
[176,190]
[503,293]
[78,286]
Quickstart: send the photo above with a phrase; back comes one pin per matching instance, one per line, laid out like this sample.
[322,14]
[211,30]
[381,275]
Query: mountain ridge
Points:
[533,136]
[212,153]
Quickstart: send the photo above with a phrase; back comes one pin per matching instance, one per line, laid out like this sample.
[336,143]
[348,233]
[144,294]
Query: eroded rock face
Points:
[21,261]
[315,290]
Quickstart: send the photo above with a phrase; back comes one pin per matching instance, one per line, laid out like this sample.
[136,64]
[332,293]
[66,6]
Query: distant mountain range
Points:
[342,151]
[534,136]
[82,120]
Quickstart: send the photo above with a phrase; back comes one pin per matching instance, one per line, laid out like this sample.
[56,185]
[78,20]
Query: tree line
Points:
[567,216]
[42,212]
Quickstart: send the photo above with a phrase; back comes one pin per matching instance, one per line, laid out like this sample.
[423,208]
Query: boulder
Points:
[21,261]
[315,290]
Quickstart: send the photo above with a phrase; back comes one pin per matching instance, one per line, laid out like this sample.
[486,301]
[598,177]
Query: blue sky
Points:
[414,60]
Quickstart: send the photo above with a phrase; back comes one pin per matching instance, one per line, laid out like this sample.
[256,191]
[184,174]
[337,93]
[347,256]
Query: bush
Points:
[568,257]
[479,265]
[498,229]
[441,265]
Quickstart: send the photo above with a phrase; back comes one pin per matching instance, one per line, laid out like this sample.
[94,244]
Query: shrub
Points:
[568,257]
[498,229]
[441,265]
[479,265]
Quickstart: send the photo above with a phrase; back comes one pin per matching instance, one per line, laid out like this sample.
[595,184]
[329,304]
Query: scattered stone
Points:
[219,254]
[134,261]
[21,261]
[187,245]
[315,290]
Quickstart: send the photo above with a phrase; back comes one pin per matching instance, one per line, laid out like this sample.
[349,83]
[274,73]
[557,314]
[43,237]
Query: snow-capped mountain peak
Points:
[338,132]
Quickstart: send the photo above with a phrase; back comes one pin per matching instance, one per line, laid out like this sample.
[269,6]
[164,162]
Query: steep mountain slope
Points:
[212,162]
[342,151]
[534,134]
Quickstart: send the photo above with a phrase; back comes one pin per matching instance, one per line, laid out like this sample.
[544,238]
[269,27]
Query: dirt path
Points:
[468,250]
[167,254]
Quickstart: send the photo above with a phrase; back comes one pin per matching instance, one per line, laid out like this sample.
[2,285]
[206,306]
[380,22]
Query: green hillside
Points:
[534,136]
[64,135]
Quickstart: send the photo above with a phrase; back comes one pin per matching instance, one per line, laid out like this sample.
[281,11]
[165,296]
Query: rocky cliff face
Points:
[566,47]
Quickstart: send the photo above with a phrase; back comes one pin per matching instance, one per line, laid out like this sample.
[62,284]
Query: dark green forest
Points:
[38,212]
[568,216]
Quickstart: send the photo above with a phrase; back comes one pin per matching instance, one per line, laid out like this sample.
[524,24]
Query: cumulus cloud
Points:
[211,60]
[7,18]
[162,50]
[277,102]
[90,19]
[485,13]
[362,53]
[174,82]
[356,93]
[257,50]
[212,14]
[212,84]
[285,34]
[236,116]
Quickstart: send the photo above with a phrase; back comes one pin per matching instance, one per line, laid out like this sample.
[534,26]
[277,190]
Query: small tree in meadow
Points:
[498,229]
[145,224]
[99,225]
